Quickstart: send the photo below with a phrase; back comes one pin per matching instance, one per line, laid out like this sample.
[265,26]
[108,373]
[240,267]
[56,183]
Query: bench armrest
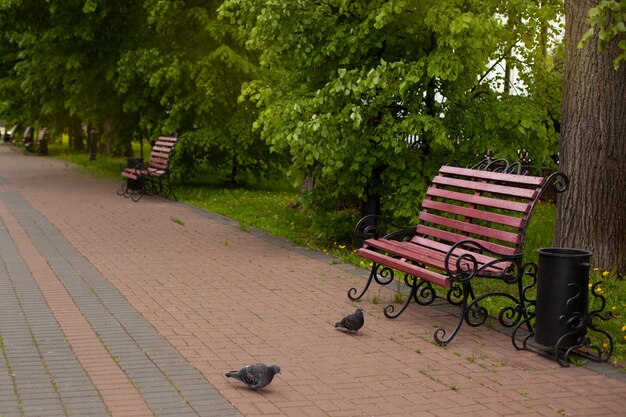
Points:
[461,263]
[369,227]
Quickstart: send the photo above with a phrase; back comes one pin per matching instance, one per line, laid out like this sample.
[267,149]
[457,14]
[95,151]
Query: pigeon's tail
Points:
[339,324]
[233,374]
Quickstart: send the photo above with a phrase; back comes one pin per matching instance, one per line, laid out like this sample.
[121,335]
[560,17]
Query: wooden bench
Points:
[27,138]
[472,225]
[152,177]
[40,144]
[9,135]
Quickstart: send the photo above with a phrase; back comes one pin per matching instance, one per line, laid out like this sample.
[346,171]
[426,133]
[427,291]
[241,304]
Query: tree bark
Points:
[75,132]
[591,214]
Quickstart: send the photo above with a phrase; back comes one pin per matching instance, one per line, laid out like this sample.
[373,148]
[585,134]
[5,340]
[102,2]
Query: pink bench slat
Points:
[406,267]
[478,200]
[455,238]
[494,176]
[486,187]
[473,213]
[445,248]
[471,228]
[431,257]
[130,174]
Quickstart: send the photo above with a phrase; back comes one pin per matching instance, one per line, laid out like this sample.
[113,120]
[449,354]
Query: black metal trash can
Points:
[43,146]
[130,183]
[92,144]
[558,268]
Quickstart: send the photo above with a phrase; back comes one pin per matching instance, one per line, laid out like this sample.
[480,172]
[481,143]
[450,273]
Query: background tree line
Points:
[364,99]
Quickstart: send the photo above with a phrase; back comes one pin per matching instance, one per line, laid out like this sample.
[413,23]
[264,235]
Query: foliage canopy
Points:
[368,98]
[371,97]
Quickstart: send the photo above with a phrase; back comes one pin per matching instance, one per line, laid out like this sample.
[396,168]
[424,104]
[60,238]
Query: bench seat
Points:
[404,255]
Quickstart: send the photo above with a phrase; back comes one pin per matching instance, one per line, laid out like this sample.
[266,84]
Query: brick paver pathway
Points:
[109,307]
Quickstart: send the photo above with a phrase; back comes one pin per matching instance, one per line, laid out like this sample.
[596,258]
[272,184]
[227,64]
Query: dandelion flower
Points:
[361,263]
[596,269]
[590,285]
[605,346]
[342,246]
[624,329]
[605,274]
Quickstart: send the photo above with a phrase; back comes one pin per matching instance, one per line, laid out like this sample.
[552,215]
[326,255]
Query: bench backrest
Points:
[42,134]
[162,151]
[492,208]
[27,137]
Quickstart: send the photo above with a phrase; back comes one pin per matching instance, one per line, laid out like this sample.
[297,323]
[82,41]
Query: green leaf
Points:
[90,6]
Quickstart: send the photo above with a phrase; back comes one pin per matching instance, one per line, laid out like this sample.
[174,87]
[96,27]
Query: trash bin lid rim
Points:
[564,252]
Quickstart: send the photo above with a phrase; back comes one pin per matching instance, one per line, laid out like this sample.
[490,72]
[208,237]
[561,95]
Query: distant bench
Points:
[152,177]
[40,144]
[27,137]
[8,135]
[472,225]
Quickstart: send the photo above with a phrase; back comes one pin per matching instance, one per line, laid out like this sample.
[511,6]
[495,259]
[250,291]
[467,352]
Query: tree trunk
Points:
[109,130]
[233,170]
[591,214]
[506,88]
[75,132]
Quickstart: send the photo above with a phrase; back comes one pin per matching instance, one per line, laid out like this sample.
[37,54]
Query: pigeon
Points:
[255,376]
[352,322]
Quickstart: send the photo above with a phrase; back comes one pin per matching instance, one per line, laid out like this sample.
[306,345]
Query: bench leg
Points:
[161,186]
[382,277]
[135,193]
[124,191]
[422,293]
[171,194]
[167,191]
[528,270]
[151,186]
[514,339]
[516,314]
[465,292]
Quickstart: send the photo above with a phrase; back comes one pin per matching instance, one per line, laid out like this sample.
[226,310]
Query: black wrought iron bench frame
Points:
[152,177]
[456,242]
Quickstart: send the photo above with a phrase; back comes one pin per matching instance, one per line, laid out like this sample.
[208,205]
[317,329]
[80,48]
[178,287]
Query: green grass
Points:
[270,206]
[102,167]
[264,209]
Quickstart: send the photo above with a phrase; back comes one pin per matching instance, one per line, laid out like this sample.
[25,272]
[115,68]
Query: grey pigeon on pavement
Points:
[255,376]
[352,322]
